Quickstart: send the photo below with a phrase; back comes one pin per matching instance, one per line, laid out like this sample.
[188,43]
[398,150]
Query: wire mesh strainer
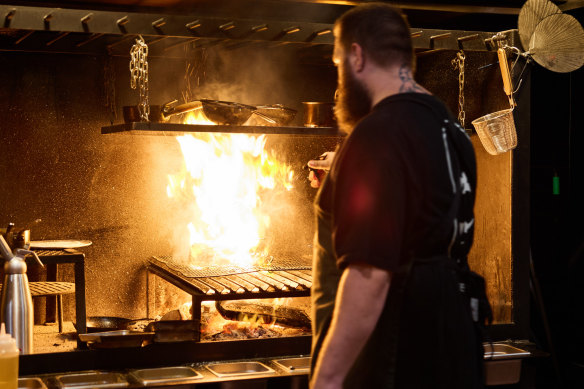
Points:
[497,131]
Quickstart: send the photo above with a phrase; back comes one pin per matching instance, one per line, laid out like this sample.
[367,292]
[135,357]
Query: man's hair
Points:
[381,30]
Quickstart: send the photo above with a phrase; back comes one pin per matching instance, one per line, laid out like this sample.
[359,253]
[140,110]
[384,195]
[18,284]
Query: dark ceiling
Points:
[472,15]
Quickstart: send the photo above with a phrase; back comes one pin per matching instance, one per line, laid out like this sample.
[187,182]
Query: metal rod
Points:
[186,42]
[230,284]
[157,24]
[467,38]
[86,18]
[47,21]
[252,277]
[193,25]
[61,36]
[206,289]
[90,39]
[247,285]
[316,34]
[123,21]
[291,30]
[156,40]
[259,28]
[222,289]
[8,18]
[19,40]
[124,39]
[227,26]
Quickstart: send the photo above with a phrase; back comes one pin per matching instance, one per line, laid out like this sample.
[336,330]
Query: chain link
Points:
[458,64]
[139,75]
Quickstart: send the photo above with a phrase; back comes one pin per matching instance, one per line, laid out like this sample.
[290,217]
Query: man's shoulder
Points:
[403,111]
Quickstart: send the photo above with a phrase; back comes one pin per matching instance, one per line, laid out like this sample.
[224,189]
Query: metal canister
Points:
[319,114]
[16,309]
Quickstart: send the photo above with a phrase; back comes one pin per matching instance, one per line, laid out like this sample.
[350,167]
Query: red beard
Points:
[352,100]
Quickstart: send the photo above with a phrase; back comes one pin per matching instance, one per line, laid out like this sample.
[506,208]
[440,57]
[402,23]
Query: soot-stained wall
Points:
[63,179]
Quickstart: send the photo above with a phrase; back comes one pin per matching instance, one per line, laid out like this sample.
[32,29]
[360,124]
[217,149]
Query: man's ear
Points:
[357,57]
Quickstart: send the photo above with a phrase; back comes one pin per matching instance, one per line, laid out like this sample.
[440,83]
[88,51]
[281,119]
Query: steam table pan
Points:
[300,364]
[92,380]
[503,363]
[113,339]
[233,369]
[166,375]
[31,383]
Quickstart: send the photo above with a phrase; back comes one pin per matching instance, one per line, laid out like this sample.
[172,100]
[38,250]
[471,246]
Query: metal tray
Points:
[300,364]
[121,338]
[166,375]
[31,383]
[497,351]
[239,369]
[92,380]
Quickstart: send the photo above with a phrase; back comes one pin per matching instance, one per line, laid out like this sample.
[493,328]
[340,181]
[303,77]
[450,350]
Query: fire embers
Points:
[252,319]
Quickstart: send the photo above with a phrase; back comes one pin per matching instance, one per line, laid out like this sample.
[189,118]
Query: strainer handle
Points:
[506,75]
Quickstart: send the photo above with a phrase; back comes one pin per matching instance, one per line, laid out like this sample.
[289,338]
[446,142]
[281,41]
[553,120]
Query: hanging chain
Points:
[139,75]
[458,63]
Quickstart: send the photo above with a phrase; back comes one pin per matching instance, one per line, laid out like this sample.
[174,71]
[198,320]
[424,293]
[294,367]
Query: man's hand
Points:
[319,167]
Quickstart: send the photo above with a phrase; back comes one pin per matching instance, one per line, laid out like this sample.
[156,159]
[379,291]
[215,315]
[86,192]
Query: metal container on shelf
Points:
[503,363]
[16,309]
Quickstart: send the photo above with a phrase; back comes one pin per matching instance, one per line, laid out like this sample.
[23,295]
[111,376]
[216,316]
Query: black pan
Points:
[111,323]
[226,112]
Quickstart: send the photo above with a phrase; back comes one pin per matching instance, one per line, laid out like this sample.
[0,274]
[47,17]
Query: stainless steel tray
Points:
[166,375]
[497,351]
[239,369]
[31,383]
[92,380]
[121,338]
[300,364]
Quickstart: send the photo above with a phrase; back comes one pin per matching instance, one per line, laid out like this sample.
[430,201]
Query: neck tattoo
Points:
[408,84]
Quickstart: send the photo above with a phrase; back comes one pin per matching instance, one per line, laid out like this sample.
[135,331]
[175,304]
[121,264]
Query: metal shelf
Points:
[174,129]
[81,31]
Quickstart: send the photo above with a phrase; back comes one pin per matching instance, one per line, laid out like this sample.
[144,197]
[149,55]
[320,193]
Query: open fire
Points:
[226,189]
[224,186]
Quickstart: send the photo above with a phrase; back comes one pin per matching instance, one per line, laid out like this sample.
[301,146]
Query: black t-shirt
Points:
[387,199]
[391,185]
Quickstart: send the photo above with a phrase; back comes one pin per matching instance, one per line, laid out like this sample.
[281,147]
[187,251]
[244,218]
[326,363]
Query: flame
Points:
[223,180]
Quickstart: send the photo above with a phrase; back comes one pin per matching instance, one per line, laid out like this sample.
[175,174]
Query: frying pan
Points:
[226,112]
[158,113]
[280,114]
[217,111]
[109,323]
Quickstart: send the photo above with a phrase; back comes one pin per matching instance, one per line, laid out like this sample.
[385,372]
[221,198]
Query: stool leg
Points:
[60,311]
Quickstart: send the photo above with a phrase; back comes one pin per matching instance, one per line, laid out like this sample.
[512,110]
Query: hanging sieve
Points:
[497,130]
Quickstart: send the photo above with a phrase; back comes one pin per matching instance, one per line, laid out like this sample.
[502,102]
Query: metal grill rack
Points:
[284,279]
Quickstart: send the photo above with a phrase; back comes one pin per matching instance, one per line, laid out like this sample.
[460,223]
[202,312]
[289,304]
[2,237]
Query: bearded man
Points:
[394,224]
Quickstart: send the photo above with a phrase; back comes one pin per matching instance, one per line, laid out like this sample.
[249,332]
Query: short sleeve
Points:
[369,199]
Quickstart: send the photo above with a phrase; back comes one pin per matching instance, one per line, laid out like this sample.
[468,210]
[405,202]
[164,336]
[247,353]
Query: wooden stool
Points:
[51,288]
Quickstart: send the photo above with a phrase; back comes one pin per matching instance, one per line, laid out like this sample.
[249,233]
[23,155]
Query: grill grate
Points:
[191,271]
[280,276]
[280,279]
